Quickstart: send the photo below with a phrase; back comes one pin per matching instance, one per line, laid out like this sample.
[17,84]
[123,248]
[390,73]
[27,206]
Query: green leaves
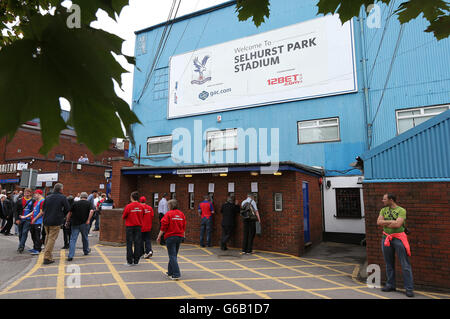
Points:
[256,9]
[53,61]
[435,11]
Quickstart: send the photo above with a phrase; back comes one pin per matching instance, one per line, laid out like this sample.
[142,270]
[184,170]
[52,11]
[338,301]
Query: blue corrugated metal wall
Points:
[420,77]
[422,153]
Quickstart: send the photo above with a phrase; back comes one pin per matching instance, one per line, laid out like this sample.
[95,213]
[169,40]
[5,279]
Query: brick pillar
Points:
[122,185]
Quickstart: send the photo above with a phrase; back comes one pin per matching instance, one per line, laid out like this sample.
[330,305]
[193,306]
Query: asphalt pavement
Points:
[328,271]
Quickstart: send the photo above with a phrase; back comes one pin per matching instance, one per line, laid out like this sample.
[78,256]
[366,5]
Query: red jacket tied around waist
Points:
[402,236]
[173,224]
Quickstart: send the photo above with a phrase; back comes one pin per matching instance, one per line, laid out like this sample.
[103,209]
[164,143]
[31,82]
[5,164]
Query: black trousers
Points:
[7,228]
[66,234]
[35,231]
[249,235]
[162,242]
[133,236]
[227,231]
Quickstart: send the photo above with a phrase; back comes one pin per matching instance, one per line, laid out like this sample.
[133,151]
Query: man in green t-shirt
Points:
[392,217]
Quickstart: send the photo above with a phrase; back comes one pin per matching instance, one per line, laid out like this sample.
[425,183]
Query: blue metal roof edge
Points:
[188,16]
[406,135]
[173,171]
[407,180]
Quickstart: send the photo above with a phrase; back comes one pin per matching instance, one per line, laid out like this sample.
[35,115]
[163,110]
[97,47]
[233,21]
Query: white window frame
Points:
[159,140]
[278,201]
[221,134]
[422,114]
[318,125]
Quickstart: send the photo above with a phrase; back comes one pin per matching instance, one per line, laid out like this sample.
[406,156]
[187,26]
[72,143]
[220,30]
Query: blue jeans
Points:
[206,225]
[173,245]
[24,228]
[398,248]
[75,230]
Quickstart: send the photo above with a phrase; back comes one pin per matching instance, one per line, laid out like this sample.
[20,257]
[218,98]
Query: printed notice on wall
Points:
[230,187]
[172,188]
[190,188]
[254,187]
[211,188]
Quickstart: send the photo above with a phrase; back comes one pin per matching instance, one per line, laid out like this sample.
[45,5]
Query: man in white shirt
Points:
[249,226]
[163,208]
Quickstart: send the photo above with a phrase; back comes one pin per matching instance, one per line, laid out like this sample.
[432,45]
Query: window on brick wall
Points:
[191,201]
[278,202]
[155,200]
[348,202]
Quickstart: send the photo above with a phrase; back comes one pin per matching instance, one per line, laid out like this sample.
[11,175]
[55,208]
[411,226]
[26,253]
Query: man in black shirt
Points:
[229,210]
[55,206]
[80,218]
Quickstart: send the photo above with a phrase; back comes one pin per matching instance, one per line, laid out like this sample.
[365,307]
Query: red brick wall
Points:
[27,142]
[428,218]
[281,231]
[122,185]
[75,181]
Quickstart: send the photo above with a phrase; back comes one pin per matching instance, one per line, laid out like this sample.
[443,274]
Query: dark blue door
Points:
[305,190]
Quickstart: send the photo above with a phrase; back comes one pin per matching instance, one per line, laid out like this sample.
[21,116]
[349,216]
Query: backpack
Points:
[247,212]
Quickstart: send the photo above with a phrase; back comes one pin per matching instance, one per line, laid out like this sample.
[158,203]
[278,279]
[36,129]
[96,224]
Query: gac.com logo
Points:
[203,95]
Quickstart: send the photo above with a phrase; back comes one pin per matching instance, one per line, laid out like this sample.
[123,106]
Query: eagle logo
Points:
[200,68]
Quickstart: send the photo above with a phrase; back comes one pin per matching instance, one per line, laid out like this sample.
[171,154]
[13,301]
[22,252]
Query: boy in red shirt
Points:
[146,229]
[133,214]
[173,226]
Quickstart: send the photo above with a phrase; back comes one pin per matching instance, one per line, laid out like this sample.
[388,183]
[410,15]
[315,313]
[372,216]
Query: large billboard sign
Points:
[302,61]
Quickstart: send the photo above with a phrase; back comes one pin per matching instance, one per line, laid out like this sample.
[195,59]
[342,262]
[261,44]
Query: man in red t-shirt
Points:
[133,214]
[206,211]
[146,229]
[173,226]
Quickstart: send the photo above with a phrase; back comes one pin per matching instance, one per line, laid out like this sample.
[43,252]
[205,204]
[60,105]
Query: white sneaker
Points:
[145,256]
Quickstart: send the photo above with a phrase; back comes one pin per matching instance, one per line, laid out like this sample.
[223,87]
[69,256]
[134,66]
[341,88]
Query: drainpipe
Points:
[365,82]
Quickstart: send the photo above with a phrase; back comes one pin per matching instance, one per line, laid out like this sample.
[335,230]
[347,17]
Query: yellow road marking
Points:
[283,282]
[227,278]
[60,278]
[321,278]
[126,292]
[32,271]
[188,289]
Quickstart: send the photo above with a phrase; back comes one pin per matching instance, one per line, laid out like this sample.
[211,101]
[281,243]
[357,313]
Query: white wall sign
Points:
[211,188]
[47,177]
[306,60]
[190,188]
[230,187]
[172,188]
[216,170]
[254,187]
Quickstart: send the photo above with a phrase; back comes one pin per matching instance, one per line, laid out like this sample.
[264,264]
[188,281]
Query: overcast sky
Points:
[140,14]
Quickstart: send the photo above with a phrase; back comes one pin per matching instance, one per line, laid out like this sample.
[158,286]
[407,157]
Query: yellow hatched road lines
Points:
[192,292]
[321,277]
[273,273]
[126,292]
[262,295]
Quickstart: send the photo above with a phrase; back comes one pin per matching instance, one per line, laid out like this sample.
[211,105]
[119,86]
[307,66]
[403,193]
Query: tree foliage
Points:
[436,12]
[42,60]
